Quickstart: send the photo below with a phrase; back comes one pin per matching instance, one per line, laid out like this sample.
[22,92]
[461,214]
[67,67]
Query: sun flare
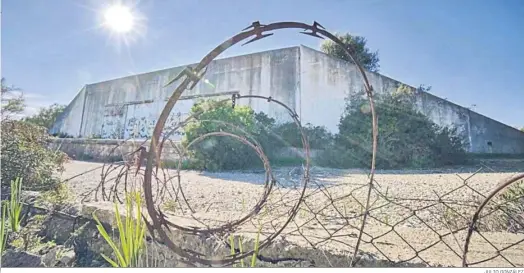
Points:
[119,19]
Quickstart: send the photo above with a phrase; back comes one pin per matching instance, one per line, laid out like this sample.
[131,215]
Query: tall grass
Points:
[128,252]
[257,243]
[240,246]
[15,206]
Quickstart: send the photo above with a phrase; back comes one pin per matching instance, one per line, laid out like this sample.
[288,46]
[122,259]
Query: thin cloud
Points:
[25,95]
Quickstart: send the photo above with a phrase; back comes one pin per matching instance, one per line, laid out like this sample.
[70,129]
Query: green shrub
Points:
[406,138]
[223,152]
[512,201]
[62,135]
[25,155]
[318,136]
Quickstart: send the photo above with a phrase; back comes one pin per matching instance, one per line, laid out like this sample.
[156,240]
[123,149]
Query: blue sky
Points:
[469,51]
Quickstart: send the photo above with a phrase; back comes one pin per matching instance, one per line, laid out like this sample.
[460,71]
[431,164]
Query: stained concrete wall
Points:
[309,81]
[503,139]
[325,82]
[129,107]
[69,122]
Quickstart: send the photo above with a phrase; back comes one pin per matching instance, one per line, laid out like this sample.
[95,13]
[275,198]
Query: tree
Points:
[522,129]
[368,59]
[46,116]
[12,101]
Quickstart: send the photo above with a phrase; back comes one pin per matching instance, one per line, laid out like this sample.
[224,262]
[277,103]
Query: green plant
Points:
[257,245]
[62,135]
[406,137]
[241,244]
[170,205]
[241,247]
[368,59]
[131,232]
[95,136]
[58,196]
[15,205]
[31,242]
[28,238]
[4,233]
[12,104]
[25,154]
[222,152]
[46,116]
[18,242]
[318,136]
[512,203]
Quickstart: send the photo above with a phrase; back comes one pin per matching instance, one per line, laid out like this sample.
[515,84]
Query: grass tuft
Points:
[3,230]
[15,206]
[128,252]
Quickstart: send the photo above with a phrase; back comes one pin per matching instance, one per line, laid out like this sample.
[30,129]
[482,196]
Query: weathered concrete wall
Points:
[445,113]
[326,81]
[129,107]
[69,121]
[105,150]
[503,139]
[311,82]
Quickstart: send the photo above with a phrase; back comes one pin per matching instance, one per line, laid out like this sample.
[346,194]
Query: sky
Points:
[469,51]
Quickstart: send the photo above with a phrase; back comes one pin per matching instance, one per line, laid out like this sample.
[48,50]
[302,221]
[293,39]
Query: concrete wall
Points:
[503,139]
[69,121]
[325,82]
[129,107]
[111,150]
[107,150]
[309,81]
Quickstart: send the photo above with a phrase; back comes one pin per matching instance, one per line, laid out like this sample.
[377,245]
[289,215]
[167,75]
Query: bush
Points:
[317,136]
[62,135]
[512,201]
[25,155]
[223,152]
[406,138]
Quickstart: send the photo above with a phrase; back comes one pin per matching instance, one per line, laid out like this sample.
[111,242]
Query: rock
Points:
[59,256]
[30,196]
[68,257]
[12,258]
[49,258]
[104,212]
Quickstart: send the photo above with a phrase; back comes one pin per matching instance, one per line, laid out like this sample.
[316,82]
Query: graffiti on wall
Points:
[113,121]
[137,121]
[139,127]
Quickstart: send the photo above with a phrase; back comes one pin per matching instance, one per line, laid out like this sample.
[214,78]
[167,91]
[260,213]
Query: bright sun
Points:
[119,18]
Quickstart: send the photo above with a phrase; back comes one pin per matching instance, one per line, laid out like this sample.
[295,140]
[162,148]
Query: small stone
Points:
[68,257]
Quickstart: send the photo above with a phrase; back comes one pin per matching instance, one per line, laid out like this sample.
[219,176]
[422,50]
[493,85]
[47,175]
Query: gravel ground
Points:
[406,217]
